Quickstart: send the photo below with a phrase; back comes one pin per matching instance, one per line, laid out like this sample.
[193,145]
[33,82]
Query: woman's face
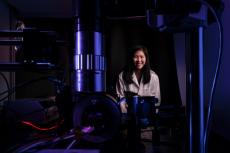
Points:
[139,59]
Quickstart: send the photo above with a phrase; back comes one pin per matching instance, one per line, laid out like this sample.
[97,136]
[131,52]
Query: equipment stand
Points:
[195,90]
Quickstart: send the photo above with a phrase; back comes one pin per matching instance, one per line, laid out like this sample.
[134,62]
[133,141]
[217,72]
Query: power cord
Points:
[216,74]
[12,90]
[7,84]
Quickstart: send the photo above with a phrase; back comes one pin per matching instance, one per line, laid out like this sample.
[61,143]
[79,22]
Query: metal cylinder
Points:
[195,90]
[89,60]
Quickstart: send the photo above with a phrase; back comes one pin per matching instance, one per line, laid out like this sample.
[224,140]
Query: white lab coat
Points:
[152,88]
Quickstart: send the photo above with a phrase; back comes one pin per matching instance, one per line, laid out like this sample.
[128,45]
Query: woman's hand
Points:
[123,107]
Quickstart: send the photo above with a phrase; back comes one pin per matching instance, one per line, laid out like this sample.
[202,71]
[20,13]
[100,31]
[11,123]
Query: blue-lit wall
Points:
[221,114]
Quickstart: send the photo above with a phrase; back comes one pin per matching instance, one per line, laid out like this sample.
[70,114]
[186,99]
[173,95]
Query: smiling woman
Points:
[137,77]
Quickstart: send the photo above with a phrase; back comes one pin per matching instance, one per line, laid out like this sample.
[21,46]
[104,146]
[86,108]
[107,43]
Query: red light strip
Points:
[41,128]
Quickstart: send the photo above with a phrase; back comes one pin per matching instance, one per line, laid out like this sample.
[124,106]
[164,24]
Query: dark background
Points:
[167,50]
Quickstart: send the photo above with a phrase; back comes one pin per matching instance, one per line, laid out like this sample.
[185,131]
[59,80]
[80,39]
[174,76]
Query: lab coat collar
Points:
[134,78]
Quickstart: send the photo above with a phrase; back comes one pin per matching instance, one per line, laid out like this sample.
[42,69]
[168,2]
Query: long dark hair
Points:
[129,68]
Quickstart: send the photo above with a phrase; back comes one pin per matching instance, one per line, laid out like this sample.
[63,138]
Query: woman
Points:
[138,78]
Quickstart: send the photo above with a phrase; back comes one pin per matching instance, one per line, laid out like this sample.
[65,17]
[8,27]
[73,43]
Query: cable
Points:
[216,74]
[23,84]
[7,84]
[50,78]
[70,146]
[33,145]
[12,90]
[43,143]
[55,140]
[126,18]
